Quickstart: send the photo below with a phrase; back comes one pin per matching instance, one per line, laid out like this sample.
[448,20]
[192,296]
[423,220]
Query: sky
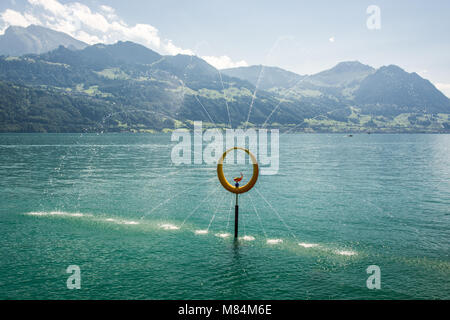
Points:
[305,37]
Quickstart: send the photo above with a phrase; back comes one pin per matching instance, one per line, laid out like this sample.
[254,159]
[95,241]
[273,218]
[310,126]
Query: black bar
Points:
[272,309]
[236,221]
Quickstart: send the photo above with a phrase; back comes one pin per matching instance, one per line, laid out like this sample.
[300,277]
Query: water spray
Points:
[236,189]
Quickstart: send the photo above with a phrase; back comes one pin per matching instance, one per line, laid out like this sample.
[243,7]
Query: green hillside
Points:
[128,87]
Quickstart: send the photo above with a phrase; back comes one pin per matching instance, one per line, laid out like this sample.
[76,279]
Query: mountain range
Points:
[50,82]
[17,41]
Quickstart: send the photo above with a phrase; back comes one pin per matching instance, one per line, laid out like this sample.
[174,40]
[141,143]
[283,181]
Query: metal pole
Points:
[236,217]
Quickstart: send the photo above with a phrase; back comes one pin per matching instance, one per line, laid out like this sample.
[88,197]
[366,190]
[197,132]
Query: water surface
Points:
[141,227]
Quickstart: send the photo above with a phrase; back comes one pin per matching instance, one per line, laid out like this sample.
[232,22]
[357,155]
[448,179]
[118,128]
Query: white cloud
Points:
[107,9]
[444,87]
[12,17]
[79,21]
[224,62]
[109,12]
[98,26]
[50,5]
[174,50]
[331,39]
[88,38]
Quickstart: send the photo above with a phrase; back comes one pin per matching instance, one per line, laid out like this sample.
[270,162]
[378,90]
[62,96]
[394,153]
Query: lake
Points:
[140,227]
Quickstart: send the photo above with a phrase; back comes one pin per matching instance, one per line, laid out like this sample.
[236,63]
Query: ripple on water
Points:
[58,213]
[223,235]
[121,221]
[169,226]
[308,245]
[345,252]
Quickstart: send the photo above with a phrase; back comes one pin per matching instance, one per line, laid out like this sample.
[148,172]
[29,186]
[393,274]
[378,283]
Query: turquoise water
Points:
[116,206]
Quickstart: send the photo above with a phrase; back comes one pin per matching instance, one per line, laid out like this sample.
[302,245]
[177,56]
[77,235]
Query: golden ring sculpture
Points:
[225,182]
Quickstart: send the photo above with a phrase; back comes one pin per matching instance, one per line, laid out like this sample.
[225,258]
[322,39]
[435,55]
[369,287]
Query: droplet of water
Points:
[308,245]
[169,226]
[345,252]
[223,235]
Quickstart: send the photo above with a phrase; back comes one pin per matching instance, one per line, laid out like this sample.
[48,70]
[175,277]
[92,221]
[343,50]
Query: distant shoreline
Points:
[281,132]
